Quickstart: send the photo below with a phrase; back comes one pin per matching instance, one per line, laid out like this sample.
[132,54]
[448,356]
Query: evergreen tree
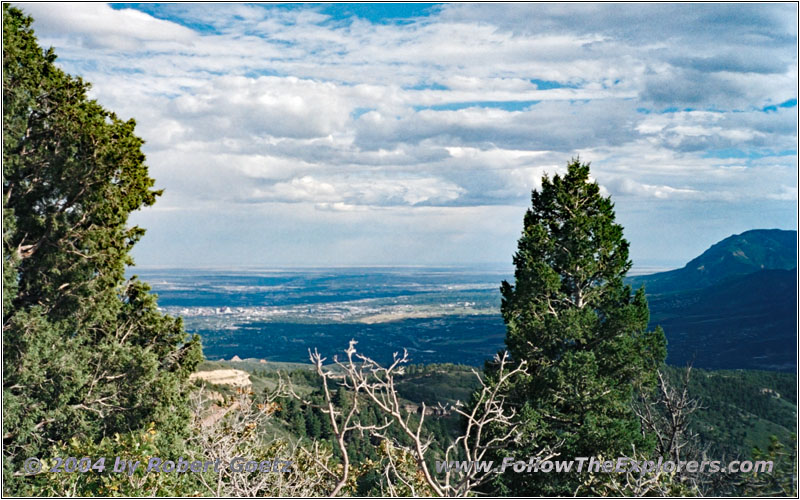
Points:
[313,426]
[298,425]
[86,352]
[581,330]
[341,400]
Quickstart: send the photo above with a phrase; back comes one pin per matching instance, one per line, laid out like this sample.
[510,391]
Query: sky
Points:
[413,134]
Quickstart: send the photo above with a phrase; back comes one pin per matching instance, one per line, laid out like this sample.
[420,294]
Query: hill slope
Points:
[736,255]
[743,322]
[740,408]
[732,307]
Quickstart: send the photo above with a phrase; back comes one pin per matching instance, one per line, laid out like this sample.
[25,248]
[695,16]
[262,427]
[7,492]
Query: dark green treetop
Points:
[86,352]
[582,331]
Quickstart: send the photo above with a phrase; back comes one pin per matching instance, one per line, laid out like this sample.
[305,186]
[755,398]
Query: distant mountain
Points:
[736,255]
[734,306]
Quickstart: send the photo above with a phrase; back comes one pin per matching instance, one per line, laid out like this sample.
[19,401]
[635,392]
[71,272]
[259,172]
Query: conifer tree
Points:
[581,330]
[87,354]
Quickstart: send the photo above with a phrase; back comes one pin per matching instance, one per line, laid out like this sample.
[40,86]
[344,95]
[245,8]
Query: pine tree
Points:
[582,331]
[313,426]
[298,424]
[86,352]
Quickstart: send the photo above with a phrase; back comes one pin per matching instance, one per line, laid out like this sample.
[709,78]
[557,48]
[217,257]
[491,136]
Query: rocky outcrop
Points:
[233,378]
[429,410]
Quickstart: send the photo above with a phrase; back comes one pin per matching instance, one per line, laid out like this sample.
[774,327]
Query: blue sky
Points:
[368,134]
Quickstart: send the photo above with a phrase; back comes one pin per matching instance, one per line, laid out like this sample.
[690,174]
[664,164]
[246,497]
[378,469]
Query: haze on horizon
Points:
[397,134]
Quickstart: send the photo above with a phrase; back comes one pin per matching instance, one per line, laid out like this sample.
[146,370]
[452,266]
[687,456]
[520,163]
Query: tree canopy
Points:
[582,332]
[86,352]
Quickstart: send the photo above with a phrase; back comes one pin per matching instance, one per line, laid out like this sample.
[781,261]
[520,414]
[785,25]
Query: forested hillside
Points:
[732,307]
[745,321]
[741,410]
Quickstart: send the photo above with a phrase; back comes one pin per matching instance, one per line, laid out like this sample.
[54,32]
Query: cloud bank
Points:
[414,134]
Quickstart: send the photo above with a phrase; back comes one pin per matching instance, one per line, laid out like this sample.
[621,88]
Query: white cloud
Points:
[98,26]
[339,192]
[263,106]
[624,186]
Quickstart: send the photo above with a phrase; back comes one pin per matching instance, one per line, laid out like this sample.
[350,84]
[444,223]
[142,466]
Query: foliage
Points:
[302,418]
[307,422]
[87,355]
[580,329]
[741,409]
[635,484]
[437,383]
[238,428]
[782,480]
[725,397]
[133,446]
[365,380]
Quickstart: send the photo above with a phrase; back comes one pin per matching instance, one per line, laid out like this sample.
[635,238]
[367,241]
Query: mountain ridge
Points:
[736,255]
[732,307]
